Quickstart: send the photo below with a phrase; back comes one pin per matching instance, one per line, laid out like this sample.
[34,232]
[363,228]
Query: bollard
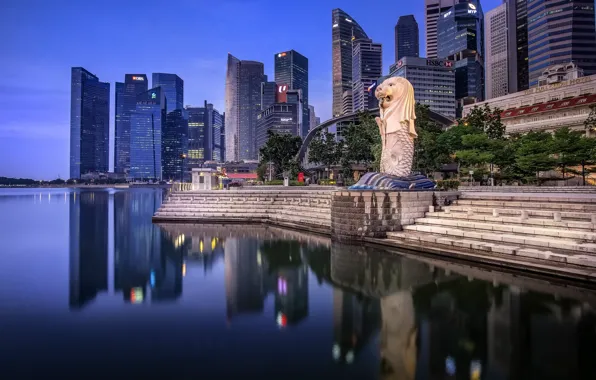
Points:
[495,213]
[557,216]
[431,208]
[524,214]
[447,210]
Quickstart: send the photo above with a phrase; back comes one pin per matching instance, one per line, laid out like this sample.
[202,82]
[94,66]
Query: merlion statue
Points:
[396,125]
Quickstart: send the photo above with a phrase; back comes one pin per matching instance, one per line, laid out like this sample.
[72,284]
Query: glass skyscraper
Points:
[172,87]
[205,125]
[367,67]
[126,104]
[344,30]
[147,123]
[89,123]
[407,42]
[174,144]
[461,38]
[291,68]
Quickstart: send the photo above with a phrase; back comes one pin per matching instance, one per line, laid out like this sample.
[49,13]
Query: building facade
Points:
[497,52]
[367,67]
[291,68]
[243,104]
[146,126]
[433,81]
[433,9]
[174,144]
[517,42]
[407,37]
[173,89]
[268,94]
[313,117]
[89,123]
[460,32]
[344,29]
[279,118]
[126,104]
[560,32]
[546,108]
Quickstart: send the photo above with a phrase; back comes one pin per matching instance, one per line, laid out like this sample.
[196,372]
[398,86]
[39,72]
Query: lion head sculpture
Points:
[396,99]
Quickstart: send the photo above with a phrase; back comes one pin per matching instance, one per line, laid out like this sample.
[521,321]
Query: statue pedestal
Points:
[356,215]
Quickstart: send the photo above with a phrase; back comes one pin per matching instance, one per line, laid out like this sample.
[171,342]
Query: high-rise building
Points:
[146,126]
[126,104]
[434,8]
[89,123]
[517,41]
[312,116]
[268,94]
[174,144]
[291,68]
[317,121]
[367,67]
[205,125]
[282,118]
[497,54]
[560,32]
[172,86]
[460,38]
[223,137]
[433,81]
[243,103]
[344,29]
[407,40]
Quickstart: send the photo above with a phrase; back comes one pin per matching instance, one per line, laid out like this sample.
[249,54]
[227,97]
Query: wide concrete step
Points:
[561,197]
[515,220]
[508,237]
[552,256]
[516,211]
[517,229]
[528,205]
[303,207]
[308,220]
[249,203]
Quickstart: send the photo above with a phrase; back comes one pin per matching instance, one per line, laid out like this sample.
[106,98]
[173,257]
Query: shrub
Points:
[448,184]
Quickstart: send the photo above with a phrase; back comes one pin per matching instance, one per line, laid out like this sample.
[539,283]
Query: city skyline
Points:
[36,145]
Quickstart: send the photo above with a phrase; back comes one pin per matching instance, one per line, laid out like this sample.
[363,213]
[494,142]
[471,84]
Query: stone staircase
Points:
[304,209]
[558,228]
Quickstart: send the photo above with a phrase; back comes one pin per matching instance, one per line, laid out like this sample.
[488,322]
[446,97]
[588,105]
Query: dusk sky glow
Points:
[43,39]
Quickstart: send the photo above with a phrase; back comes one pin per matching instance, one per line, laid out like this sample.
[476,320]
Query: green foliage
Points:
[448,184]
[486,120]
[359,140]
[533,153]
[590,122]
[324,150]
[280,182]
[429,154]
[281,149]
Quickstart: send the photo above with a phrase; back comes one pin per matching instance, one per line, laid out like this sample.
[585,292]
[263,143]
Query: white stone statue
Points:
[396,124]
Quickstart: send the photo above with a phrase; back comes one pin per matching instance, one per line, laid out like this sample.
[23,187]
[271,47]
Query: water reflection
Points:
[366,313]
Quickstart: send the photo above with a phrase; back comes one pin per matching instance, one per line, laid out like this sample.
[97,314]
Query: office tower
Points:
[217,125]
[205,125]
[174,145]
[559,33]
[126,104]
[434,8]
[172,87]
[497,54]
[146,125]
[407,40]
[317,121]
[223,137]
[313,117]
[268,94]
[460,32]
[517,41]
[243,103]
[347,103]
[279,118]
[367,67]
[89,123]
[291,68]
[88,246]
[433,81]
[344,30]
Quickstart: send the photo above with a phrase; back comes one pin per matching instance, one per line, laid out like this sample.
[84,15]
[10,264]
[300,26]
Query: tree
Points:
[565,146]
[487,120]
[590,122]
[429,154]
[281,149]
[359,141]
[324,150]
[533,153]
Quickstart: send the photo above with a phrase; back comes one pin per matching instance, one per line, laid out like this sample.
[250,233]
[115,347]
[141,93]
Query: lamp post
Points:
[182,158]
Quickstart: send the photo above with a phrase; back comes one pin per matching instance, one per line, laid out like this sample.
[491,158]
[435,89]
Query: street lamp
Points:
[182,158]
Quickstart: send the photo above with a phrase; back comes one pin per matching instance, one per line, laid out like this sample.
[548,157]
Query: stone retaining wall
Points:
[356,215]
[529,189]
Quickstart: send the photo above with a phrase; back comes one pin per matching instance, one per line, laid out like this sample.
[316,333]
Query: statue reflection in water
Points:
[146,267]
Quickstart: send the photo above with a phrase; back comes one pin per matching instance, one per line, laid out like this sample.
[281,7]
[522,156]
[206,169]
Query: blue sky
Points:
[42,40]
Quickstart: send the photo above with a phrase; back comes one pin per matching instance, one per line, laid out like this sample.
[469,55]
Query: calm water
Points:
[89,287]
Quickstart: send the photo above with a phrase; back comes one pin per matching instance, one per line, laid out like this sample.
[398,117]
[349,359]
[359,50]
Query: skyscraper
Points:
[268,94]
[433,8]
[407,43]
[344,28]
[461,38]
[172,87]
[367,67]
[517,41]
[89,123]
[243,103]
[313,117]
[174,144]
[291,68]
[497,54]
[560,32]
[146,125]
[126,104]
[205,125]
